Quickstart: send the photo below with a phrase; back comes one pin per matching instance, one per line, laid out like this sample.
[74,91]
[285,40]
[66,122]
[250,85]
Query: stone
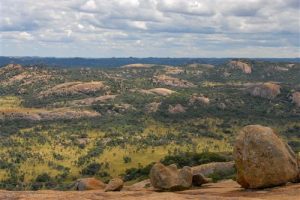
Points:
[199,179]
[214,167]
[89,184]
[170,178]
[262,159]
[115,184]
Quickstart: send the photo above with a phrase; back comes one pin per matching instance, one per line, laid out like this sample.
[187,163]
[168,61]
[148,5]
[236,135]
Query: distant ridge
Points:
[117,62]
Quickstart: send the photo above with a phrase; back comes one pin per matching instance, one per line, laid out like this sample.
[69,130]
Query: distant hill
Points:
[117,62]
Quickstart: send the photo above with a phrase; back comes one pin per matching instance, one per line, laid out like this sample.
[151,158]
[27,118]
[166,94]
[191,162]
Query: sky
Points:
[150,28]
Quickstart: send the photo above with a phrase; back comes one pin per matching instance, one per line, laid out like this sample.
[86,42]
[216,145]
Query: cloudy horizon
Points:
[150,28]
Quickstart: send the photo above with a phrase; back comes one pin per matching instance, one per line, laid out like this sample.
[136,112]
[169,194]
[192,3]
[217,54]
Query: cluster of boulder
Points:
[170,178]
[178,108]
[267,90]
[115,184]
[172,81]
[270,90]
[261,160]
[200,99]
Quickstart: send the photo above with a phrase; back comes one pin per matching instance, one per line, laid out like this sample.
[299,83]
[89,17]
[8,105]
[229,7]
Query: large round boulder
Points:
[263,159]
[170,178]
[89,184]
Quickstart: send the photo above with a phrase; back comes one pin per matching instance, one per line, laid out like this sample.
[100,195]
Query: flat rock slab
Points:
[224,190]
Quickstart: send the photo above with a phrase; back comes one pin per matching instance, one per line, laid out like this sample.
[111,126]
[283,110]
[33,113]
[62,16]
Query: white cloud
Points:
[122,27]
[25,36]
[90,5]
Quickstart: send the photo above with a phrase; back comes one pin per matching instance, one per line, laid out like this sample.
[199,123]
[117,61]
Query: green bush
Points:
[137,173]
[192,159]
[181,160]
[43,178]
[91,169]
[221,175]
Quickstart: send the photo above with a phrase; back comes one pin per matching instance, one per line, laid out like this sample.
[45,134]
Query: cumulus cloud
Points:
[175,28]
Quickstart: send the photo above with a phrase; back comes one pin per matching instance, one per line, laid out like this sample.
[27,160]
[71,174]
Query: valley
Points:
[60,124]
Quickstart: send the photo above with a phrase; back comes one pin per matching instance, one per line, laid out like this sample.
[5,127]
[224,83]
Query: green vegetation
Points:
[181,159]
[44,148]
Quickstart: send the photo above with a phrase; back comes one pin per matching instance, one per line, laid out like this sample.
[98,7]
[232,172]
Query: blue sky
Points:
[144,28]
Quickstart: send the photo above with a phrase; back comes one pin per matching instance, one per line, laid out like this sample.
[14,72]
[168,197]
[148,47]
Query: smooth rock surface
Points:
[115,184]
[89,184]
[224,190]
[263,159]
[210,168]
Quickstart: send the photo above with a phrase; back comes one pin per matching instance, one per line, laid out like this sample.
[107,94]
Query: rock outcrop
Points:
[46,115]
[214,167]
[137,66]
[170,178]
[263,159]
[173,70]
[115,184]
[10,67]
[93,100]
[265,90]
[70,88]
[199,65]
[245,67]
[16,74]
[142,185]
[152,107]
[296,98]
[161,91]
[199,99]
[178,108]
[89,184]
[171,81]
[155,91]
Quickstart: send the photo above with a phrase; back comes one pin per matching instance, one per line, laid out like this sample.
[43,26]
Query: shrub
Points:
[137,173]
[43,178]
[192,159]
[91,169]
[221,175]
[127,159]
